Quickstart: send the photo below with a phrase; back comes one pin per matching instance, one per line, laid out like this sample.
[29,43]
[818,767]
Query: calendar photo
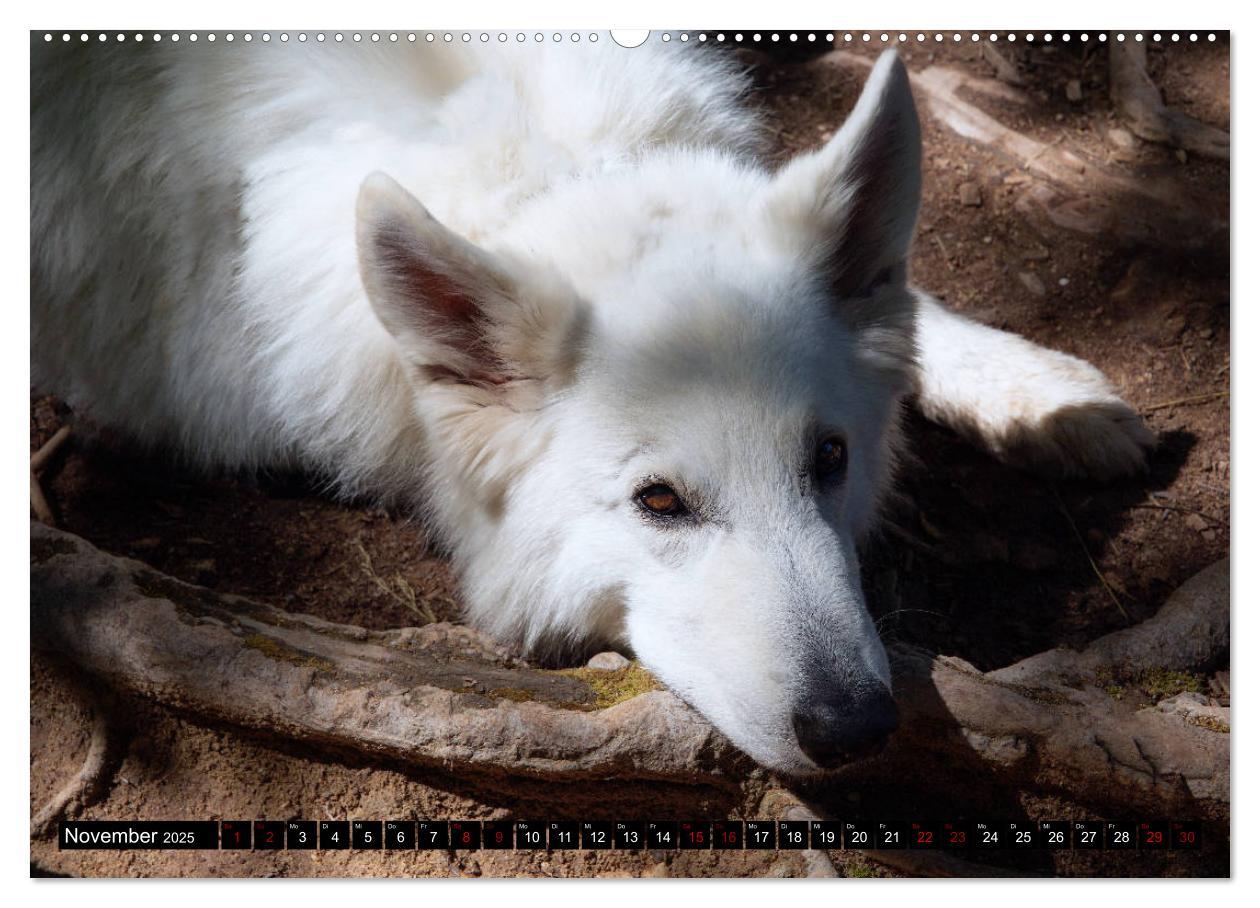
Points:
[608,453]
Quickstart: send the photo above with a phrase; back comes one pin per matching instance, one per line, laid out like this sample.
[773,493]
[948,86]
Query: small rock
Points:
[1032,283]
[1063,282]
[1073,91]
[1196,523]
[608,662]
[969,195]
[1173,326]
[1122,138]
[1181,155]
[1206,333]
[1182,701]
[1037,253]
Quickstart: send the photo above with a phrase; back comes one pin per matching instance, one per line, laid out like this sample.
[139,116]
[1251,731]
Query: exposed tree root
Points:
[1068,190]
[39,502]
[1005,69]
[444,695]
[1138,100]
[91,779]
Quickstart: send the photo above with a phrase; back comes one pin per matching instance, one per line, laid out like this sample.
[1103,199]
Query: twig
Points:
[401,592]
[41,457]
[39,503]
[1156,506]
[1090,558]
[1195,399]
[944,252]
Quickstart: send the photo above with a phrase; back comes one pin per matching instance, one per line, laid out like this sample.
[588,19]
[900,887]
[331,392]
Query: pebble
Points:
[1063,282]
[1196,523]
[969,194]
[1073,90]
[1032,283]
[1181,155]
[1122,138]
[608,662]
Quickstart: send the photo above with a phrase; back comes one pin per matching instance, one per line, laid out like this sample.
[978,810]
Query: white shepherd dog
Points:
[645,389]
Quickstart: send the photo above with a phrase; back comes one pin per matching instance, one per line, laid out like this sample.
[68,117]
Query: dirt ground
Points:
[978,561]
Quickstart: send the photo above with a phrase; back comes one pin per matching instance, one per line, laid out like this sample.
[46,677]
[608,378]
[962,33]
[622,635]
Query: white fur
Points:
[602,286]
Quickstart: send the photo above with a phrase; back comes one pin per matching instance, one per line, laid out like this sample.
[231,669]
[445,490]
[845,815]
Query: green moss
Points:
[1160,684]
[860,871]
[274,649]
[615,687]
[1152,684]
[1210,723]
[515,694]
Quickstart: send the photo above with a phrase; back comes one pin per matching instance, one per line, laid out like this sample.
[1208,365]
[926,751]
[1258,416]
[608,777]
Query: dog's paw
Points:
[1100,439]
[1029,406]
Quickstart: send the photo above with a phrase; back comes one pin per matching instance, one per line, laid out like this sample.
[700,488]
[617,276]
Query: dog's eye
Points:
[661,500]
[830,458]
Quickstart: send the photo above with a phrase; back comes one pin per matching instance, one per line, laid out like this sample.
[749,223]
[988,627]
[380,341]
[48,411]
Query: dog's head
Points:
[663,410]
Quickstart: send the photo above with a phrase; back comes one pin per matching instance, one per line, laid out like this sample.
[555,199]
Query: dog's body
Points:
[646,390]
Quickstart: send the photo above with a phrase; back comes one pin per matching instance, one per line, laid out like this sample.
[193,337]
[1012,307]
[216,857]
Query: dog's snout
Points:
[844,726]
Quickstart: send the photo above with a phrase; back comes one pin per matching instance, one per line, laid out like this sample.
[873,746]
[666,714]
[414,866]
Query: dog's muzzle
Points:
[845,724]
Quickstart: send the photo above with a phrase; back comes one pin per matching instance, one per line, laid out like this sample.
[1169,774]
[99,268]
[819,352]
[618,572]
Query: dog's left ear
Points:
[854,202]
[460,313]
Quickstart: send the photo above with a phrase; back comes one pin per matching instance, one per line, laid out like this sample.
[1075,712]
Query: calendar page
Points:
[589,452]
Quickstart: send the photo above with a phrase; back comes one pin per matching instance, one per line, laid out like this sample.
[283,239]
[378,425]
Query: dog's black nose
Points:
[846,725]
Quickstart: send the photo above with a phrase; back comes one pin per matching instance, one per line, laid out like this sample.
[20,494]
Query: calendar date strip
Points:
[626,835]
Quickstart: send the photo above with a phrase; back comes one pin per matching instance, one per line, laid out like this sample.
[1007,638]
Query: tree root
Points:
[443,695]
[39,502]
[1069,191]
[1003,68]
[1138,100]
[439,695]
[91,779]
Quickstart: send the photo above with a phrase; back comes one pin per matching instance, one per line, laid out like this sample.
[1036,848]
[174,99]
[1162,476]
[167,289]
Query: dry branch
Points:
[442,695]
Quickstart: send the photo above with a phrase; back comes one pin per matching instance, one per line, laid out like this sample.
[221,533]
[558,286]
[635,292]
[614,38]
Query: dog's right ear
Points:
[854,202]
[457,311]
